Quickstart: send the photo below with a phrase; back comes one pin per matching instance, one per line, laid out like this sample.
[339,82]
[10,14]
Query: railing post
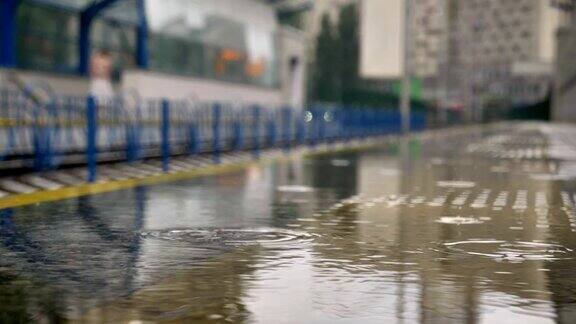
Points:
[313,129]
[301,128]
[8,10]
[216,114]
[271,129]
[92,134]
[342,124]
[238,132]
[322,126]
[165,133]
[364,123]
[133,136]
[38,140]
[193,139]
[256,132]
[287,128]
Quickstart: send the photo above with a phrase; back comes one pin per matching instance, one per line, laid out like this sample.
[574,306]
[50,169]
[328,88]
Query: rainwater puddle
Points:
[513,252]
[456,184]
[389,172]
[553,177]
[457,220]
[340,163]
[448,229]
[231,236]
[295,189]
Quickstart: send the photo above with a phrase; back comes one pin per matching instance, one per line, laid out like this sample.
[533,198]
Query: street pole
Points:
[443,73]
[405,95]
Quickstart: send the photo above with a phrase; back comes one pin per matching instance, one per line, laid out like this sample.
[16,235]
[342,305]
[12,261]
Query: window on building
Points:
[214,39]
[47,38]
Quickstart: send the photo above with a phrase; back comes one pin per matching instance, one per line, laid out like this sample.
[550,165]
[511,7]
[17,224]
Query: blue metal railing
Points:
[73,130]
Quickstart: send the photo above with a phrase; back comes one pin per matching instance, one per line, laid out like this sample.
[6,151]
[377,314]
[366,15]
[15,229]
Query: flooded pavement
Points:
[463,226]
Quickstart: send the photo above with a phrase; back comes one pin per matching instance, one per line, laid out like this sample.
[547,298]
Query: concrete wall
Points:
[292,56]
[61,84]
[564,99]
[153,85]
[158,85]
[549,21]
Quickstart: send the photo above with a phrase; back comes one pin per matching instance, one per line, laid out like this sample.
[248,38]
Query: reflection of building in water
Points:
[561,282]
[304,185]
[208,291]
[403,245]
[458,285]
[345,165]
[101,256]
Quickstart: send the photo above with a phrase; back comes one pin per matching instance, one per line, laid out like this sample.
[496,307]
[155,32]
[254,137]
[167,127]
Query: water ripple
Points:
[230,236]
[513,252]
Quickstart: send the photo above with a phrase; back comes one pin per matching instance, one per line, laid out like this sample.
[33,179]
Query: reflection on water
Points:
[451,228]
[229,236]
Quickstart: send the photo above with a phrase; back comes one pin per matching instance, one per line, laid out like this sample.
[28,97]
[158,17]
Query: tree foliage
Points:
[336,76]
[326,73]
[349,44]
[336,58]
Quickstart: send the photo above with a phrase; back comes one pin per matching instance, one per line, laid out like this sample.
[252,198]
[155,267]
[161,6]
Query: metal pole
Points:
[446,68]
[216,113]
[91,141]
[165,133]
[142,36]
[286,125]
[8,33]
[405,95]
[256,132]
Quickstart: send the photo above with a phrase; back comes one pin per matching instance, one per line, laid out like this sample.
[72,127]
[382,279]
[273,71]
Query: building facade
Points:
[227,50]
[477,55]
[486,54]
[564,96]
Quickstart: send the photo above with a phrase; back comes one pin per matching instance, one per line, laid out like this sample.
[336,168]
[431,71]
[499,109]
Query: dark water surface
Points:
[466,226]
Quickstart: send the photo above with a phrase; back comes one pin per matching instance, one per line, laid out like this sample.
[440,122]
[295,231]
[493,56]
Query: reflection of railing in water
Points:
[49,262]
[75,130]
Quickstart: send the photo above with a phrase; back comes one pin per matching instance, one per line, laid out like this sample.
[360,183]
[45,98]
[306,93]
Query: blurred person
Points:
[101,75]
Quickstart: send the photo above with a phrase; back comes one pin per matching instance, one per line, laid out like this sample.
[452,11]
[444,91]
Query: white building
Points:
[564,98]
[469,52]
[313,18]
[216,50]
[480,50]
[504,49]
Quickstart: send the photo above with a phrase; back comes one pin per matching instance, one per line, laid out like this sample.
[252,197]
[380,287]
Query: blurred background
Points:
[463,225]
[473,60]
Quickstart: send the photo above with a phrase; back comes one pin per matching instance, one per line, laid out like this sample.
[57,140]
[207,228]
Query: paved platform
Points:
[463,225]
[72,182]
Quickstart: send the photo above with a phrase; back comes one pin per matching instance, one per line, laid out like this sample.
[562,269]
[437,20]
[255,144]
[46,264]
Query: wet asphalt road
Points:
[462,226]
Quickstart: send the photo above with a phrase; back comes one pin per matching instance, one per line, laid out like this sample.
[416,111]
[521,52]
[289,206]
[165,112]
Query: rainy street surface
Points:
[468,225]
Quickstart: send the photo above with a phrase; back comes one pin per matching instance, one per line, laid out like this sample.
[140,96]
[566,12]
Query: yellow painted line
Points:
[41,196]
[107,186]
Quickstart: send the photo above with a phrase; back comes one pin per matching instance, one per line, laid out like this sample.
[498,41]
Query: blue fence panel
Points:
[43,133]
[271,128]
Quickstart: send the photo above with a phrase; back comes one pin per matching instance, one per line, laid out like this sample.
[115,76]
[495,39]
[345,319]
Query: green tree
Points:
[348,57]
[326,72]
[337,55]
